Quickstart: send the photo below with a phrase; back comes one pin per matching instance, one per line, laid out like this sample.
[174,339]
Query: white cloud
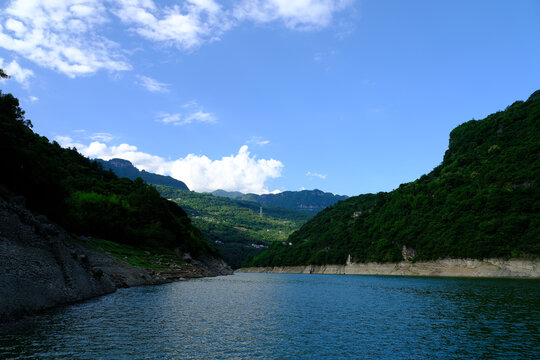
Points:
[167,118]
[67,141]
[200,116]
[312,175]
[67,35]
[258,140]
[186,26]
[189,24]
[194,113]
[102,136]
[237,172]
[61,35]
[296,14]
[34,98]
[18,73]
[152,84]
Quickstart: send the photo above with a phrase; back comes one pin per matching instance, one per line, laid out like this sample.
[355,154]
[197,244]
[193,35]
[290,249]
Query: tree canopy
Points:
[3,75]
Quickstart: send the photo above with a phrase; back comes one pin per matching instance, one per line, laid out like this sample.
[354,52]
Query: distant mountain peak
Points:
[311,201]
[534,96]
[120,162]
[124,168]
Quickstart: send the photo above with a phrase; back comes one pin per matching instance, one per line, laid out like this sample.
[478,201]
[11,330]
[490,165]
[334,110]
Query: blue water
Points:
[277,316]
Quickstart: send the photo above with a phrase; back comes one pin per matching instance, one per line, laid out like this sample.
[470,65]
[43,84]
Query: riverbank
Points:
[488,268]
[42,266]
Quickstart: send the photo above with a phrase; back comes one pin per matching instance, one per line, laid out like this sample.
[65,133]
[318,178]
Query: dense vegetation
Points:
[482,201]
[311,201]
[78,194]
[124,168]
[236,227]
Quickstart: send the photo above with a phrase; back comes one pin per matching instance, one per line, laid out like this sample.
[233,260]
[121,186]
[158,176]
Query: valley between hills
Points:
[100,225]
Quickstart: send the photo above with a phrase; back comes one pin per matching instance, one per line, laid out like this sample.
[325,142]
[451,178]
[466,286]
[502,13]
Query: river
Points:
[292,316]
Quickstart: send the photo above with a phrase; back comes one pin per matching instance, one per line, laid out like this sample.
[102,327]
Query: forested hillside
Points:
[236,227]
[482,201]
[78,194]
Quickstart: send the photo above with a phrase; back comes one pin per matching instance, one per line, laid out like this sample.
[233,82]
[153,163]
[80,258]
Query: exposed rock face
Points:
[41,267]
[216,266]
[124,168]
[408,253]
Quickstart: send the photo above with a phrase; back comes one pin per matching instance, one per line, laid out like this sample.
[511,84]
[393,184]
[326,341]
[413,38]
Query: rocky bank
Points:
[496,268]
[42,267]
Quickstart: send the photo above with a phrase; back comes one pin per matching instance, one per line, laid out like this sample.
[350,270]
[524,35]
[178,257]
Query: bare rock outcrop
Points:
[42,267]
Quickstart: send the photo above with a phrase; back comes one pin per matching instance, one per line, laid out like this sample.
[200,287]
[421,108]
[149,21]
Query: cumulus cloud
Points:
[236,172]
[313,174]
[61,35]
[16,72]
[152,85]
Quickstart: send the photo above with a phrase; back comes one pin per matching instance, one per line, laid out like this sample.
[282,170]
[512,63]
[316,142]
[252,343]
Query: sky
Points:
[346,96]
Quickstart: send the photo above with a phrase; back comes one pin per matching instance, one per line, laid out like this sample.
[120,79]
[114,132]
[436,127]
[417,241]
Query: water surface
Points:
[286,316]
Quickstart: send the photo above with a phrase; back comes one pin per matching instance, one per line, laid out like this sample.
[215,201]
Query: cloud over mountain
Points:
[237,172]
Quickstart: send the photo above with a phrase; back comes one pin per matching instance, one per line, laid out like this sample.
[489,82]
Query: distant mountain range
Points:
[124,168]
[311,201]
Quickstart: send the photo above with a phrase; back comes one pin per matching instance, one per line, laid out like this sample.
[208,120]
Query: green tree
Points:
[3,75]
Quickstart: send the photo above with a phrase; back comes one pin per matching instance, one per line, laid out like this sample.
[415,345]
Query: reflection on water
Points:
[277,316]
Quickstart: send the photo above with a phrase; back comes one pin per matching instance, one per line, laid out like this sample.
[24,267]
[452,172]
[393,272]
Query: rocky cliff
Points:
[124,168]
[42,267]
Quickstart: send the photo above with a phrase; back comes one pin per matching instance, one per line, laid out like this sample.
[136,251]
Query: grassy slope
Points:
[146,257]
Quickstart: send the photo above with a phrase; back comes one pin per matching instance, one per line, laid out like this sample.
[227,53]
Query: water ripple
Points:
[276,316]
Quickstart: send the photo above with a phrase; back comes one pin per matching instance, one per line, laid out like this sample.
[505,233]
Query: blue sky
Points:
[268,95]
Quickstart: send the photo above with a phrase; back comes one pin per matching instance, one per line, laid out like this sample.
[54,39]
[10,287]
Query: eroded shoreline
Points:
[487,268]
